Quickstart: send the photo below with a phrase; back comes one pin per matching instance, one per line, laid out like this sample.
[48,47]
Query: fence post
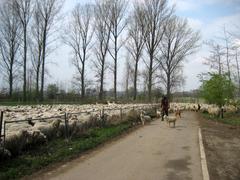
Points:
[66,126]
[4,135]
[121,114]
[1,120]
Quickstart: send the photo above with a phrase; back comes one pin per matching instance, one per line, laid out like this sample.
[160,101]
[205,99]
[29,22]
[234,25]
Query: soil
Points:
[222,148]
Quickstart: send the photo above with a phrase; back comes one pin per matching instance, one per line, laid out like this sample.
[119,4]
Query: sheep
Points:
[170,119]
[4,154]
[16,127]
[16,141]
[144,118]
[50,130]
[35,137]
[214,111]
[159,114]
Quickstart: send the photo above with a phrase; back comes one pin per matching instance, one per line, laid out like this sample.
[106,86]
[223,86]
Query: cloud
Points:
[193,5]
[185,5]
[196,24]
[215,28]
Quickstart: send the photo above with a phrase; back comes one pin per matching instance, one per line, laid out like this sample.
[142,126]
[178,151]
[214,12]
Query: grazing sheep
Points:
[48,129]
[30,122]
[4,154]
[16,141]
[35,137]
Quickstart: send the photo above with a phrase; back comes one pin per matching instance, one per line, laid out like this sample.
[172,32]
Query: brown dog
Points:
[178,113]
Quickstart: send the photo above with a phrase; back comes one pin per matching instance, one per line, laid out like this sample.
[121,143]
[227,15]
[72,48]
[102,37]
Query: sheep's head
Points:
[56,123]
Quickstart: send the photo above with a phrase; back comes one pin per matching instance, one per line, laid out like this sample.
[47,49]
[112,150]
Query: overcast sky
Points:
[208,16]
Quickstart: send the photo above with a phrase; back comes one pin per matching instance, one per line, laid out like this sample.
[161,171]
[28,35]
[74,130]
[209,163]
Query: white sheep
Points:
[159,114]
[48,129]
[170,119]
[144,118]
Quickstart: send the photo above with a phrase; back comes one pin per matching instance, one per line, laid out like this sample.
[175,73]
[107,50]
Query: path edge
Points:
[203,157]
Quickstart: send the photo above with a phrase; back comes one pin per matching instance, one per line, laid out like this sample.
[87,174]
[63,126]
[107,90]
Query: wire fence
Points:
[120,111]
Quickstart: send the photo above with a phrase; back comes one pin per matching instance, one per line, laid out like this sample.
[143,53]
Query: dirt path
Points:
[154,152]
[222,147]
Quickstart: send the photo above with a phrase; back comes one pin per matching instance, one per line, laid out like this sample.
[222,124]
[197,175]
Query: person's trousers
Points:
[164,112]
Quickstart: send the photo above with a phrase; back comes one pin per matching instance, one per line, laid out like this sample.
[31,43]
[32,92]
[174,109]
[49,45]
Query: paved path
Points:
[154,152]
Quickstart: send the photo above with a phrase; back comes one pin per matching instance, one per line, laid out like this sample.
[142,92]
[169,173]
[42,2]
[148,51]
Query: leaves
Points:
[218,89]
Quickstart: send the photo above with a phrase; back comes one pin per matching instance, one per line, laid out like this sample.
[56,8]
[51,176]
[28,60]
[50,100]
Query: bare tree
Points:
[78,36]
[9,42]
[226,50]
[237,69]
[48,11]
[36,48]
[235,46]
[23,9]
[215,60]
[103,32]
[178,42]
[127,76]
[156,13]
[136,41]
[118,24]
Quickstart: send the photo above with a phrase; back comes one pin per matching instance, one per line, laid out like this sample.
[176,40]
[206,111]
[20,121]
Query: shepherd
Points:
[164,106]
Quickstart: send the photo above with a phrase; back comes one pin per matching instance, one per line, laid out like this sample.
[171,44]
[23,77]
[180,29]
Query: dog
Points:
[178,113]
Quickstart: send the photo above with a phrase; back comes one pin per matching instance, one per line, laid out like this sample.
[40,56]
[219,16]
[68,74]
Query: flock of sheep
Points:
[38,127]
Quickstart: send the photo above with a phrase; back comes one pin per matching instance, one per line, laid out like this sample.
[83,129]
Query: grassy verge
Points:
[58,151]
[229,118]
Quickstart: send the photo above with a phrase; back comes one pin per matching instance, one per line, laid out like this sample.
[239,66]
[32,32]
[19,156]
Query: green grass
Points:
[57,151]
[229,118]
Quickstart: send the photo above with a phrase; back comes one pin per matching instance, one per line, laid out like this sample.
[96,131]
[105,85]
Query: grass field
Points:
[229,118]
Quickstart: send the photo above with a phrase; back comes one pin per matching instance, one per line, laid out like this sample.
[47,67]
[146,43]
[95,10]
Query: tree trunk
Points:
[10,83]
[168,87]
[102,79]
[238,73]
[135,80]
[25,65]
[43,63]
[150,78]
[12,56]
[37,84]
[101,82]
[37,74]
[115,68]
[83,81]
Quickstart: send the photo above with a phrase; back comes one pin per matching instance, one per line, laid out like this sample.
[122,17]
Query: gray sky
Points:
[208,16]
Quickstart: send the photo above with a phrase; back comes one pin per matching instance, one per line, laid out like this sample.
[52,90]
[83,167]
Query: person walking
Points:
[164,106]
